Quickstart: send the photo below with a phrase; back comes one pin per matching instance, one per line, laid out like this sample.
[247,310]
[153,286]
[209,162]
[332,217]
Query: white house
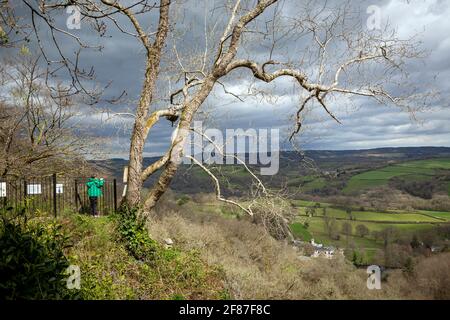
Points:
[325,252]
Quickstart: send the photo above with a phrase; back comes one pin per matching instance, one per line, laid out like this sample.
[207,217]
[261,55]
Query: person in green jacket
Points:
[94,191]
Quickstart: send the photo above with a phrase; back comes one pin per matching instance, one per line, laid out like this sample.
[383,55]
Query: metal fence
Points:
[56,194]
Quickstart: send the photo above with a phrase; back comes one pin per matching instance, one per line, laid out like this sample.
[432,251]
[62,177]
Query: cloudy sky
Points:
[365,124]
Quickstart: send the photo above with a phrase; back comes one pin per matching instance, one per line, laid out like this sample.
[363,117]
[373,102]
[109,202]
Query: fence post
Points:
[25,194]
[24,190]
[115,195]
[76,195]
[54,194]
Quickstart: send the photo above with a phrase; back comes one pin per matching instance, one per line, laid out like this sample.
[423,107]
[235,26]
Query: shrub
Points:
[432,276]
[355,256]
[133,232]
[32,260]
[346,228]
[330,226]
[274,214]
[362,230]
[180,273]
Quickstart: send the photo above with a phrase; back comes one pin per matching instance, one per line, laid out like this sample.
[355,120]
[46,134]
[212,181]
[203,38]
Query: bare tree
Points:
[362,230]
[331,227]
[37,131]
[323,49]
[347,230]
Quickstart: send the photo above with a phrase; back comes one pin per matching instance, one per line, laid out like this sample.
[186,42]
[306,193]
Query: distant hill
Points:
[311,169]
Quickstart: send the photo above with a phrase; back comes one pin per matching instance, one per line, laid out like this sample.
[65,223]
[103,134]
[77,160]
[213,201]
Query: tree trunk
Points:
[134,182]
[176,153]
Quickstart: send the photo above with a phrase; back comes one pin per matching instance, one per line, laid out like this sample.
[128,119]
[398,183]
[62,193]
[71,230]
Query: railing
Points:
[55,194]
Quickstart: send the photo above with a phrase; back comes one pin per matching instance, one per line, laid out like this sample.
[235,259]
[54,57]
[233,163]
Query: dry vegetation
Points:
[259,267]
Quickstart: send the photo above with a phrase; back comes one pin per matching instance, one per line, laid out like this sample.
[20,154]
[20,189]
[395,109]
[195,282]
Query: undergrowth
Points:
[119,260]
[32,260]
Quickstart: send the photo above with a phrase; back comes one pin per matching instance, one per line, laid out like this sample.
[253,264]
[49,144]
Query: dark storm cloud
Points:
[365,123]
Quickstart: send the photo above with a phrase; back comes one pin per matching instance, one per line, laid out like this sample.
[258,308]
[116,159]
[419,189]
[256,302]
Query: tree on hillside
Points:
[388,235]
[362,230]
[310,211]
[38,134]
[347,229]
[331,227]
[349,213]
[415,243]
[321,48]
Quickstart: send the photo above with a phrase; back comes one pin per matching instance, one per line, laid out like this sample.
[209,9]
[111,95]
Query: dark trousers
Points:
[93,202]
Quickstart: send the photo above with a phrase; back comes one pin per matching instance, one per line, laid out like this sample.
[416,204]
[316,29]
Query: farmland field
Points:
[438,214]
[406,223]
[369,245]
[411,170]
[301,232]
[431,164]
[400,217]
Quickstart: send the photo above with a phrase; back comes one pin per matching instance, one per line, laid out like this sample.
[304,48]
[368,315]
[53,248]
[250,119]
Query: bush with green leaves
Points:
[135,235]
[32,260]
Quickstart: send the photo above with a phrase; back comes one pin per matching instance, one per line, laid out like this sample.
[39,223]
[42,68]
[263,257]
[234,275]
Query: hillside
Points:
[213,256]
[329,172]
[422,171]
[388,206]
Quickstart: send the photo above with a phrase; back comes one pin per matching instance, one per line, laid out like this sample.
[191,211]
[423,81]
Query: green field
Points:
[368,245]
[305,203]
[407,223]
[400,217]
[412,170]
[437,214]
[307,182]
[300,232]
[430,164]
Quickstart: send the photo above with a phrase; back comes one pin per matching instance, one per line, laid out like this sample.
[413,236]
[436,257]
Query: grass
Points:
[300,232]
[379,216]
[109,271]
[412,171]
[438,214]
[305,203]
[314,184]
[392,217]
[307,182]
[317,229]
[430,164]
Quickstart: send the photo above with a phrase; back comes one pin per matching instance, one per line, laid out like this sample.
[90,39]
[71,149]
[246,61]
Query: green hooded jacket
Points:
[94,187]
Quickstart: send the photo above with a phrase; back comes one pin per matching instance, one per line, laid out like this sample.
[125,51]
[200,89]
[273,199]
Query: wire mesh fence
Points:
[55,194]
